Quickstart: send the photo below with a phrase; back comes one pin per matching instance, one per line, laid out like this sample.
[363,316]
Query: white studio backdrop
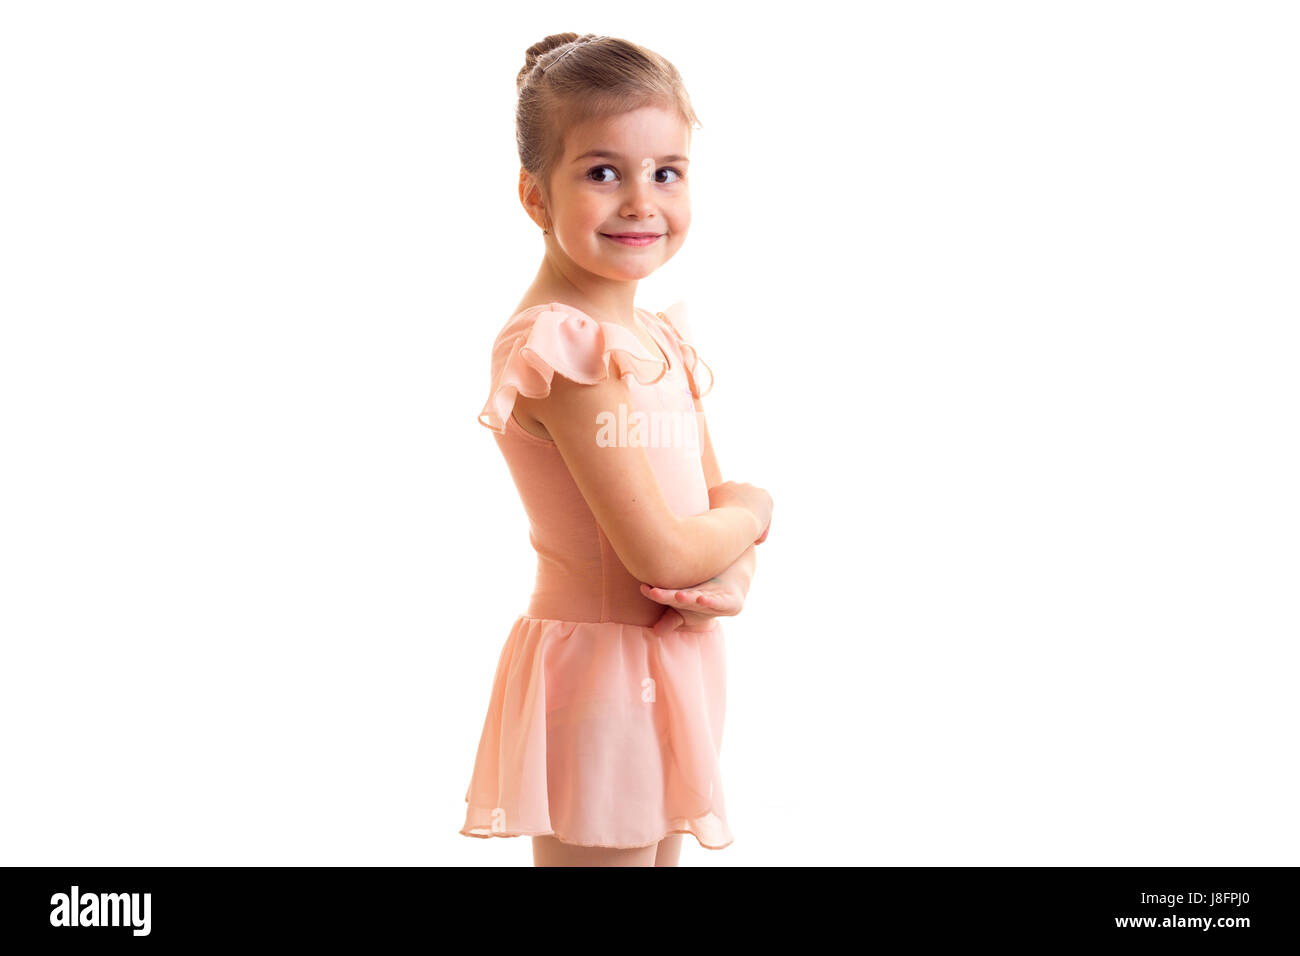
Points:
[1001,300]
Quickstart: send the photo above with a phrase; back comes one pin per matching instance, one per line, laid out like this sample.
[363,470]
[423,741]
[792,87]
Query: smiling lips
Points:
[633,238]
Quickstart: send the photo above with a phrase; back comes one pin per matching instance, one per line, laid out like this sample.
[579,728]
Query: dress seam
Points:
[525,433]
[557,620]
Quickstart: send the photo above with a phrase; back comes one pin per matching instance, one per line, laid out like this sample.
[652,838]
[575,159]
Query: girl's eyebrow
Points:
[606,154]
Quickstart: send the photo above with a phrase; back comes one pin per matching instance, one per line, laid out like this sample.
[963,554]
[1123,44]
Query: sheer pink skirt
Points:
[602,734]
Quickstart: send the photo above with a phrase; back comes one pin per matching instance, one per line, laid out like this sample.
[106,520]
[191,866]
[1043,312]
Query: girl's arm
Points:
[694,608]
[620,487]
[709,460]
[742,569]
[724,593]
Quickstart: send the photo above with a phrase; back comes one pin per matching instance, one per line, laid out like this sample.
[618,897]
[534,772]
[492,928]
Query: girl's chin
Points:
[621,272]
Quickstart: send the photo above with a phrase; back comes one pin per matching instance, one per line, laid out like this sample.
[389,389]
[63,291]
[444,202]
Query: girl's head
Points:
[604,134]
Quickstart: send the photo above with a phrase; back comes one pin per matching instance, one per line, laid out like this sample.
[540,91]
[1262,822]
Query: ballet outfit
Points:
[597,731]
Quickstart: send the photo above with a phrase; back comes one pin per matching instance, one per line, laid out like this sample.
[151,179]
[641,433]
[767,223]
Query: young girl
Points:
[605,722]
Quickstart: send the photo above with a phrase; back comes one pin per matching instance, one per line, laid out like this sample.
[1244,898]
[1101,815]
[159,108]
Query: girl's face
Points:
[621,175]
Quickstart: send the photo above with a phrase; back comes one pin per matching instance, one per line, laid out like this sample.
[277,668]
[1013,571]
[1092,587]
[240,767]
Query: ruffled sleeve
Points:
[538,343]
[675,317]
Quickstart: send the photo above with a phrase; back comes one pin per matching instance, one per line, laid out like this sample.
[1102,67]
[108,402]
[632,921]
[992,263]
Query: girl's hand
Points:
[676,619]
[693,609]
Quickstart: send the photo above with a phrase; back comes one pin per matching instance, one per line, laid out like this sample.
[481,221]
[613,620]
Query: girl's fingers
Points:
[687,596]
[668,623]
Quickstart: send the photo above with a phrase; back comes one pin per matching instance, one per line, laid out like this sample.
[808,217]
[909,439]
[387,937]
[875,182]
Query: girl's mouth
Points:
[634,239]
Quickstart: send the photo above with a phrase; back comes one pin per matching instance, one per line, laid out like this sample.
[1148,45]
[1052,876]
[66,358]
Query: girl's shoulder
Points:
[552,338]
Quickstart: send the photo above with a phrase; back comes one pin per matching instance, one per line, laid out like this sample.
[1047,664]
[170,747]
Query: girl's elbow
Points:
[667,573]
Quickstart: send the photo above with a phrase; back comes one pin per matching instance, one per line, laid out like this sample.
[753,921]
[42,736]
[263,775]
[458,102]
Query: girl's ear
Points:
[528,197]
[534,202]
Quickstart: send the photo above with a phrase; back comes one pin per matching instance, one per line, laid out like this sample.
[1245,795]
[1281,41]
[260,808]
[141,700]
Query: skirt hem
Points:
[608,846]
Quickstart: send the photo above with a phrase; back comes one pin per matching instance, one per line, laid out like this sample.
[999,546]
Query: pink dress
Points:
[598,732]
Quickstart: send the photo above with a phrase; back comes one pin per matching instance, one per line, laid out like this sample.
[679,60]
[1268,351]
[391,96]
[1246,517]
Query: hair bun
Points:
[541,48]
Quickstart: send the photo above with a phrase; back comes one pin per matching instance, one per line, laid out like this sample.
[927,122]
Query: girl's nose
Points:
[640,202]
[640,198]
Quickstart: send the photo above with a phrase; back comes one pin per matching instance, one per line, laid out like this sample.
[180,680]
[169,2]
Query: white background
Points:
[1001,299]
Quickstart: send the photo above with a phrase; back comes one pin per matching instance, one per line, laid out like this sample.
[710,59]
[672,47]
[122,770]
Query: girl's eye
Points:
[595,174]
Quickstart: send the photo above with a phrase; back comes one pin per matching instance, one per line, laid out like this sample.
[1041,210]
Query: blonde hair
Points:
[569,79]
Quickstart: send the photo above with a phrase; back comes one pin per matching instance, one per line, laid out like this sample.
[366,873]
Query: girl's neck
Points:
[615,302]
